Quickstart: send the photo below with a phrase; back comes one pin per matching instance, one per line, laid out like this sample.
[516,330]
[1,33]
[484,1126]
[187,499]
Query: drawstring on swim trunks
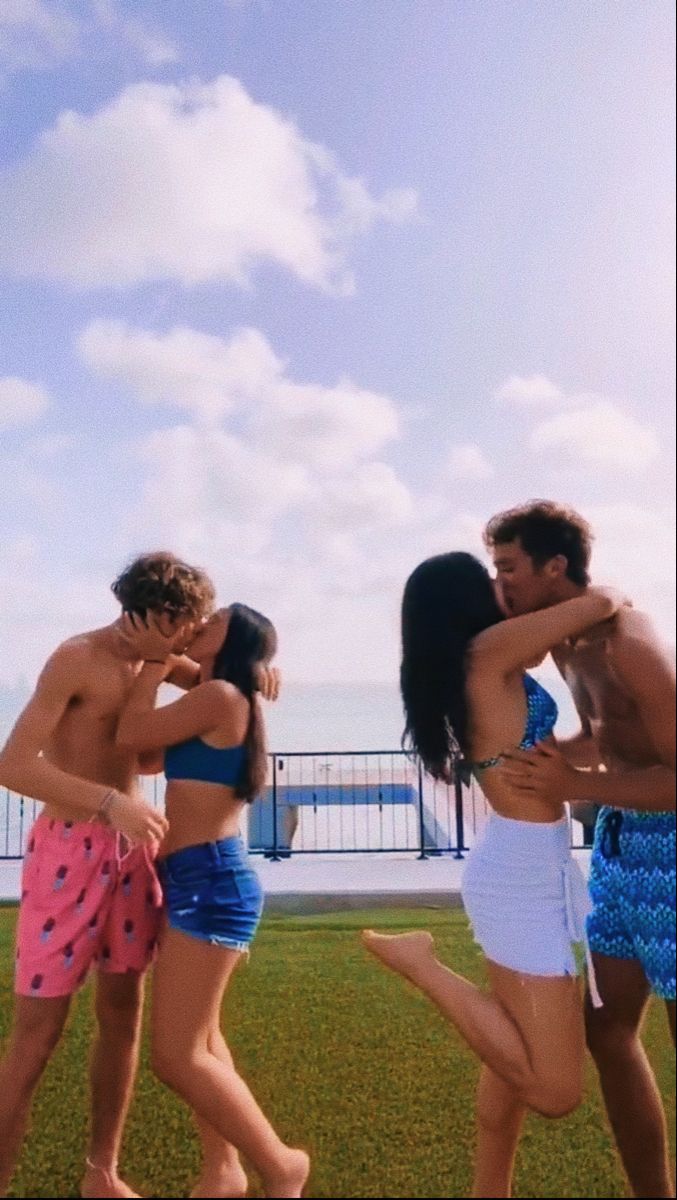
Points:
[610,842]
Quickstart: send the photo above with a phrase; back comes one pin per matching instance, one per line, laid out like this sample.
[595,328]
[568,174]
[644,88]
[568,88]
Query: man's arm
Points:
[142,727]
[151,762]
[651,789]
[647,674]
[185,673]
[580,750]
[24,770]
[545,773]
[513,644]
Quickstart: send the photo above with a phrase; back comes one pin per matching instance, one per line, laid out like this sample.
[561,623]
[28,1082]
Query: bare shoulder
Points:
[70,659]
[635,647]
[62,678]
[634,629]
[221,693]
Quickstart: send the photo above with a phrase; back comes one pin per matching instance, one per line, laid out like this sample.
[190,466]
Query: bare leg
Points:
[119,1001]
[222,1174]
[190,979]
[632,1099]
[38,1025]
[529,1032]
[500,1115]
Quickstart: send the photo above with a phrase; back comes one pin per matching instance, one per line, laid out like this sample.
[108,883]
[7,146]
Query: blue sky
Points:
[307,292]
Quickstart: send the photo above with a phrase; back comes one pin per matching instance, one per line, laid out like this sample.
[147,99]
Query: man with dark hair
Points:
[543,531]
[623,684]
[90,895]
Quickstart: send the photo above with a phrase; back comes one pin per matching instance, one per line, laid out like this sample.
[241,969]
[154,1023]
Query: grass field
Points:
[347,1061]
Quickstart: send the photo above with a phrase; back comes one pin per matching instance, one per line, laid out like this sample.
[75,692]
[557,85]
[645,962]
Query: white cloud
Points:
[329,428]
[41,34]
[634,550]
[35,35]
[332,427]
[290,511]
[29,489]
[45,602]
[153,48]
[209,475]
[202,374]
[453,530]
[528,391]
[600,435]
[371,497]
[188,182]
[21,402]
[469,462]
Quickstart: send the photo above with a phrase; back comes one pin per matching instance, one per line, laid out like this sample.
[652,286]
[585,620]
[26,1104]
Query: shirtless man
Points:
[90,894]
[623,684]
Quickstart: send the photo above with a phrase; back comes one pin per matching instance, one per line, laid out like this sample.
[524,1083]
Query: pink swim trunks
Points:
[84,901]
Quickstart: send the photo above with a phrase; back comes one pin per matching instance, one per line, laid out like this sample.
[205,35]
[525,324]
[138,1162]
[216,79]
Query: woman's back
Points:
[507,711]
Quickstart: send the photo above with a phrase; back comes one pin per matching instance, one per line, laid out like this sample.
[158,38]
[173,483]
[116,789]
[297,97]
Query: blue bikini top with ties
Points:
[541,718]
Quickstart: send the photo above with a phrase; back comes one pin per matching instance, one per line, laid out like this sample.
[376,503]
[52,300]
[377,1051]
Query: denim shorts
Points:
[212,893]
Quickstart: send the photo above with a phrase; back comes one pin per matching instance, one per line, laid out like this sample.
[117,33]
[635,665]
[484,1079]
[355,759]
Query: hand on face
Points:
[157,636]
[268,680]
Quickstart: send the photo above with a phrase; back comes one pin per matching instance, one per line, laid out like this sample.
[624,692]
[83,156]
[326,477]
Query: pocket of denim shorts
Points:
[183,874]
[248,887]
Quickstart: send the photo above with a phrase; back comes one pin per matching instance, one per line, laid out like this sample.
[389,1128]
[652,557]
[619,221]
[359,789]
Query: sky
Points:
[305,293]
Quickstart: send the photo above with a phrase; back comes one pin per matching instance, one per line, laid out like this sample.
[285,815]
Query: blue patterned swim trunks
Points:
[632,885]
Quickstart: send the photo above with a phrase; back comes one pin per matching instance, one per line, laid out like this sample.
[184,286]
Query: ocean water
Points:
[364,716]
[332,716]
[341,725]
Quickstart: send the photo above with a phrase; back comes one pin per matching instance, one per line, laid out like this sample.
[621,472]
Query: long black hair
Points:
[447,601]
[250,641]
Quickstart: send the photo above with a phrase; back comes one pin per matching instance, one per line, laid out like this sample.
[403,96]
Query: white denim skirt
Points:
[526,897]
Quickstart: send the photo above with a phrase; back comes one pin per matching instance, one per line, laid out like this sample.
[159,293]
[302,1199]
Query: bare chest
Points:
[604,702]
[92,715]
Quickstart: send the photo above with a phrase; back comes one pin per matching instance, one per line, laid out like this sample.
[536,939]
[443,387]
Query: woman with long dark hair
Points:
[467,698]
[215,762]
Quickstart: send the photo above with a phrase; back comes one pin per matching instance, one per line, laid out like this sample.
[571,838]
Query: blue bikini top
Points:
[541,718]
[194,759]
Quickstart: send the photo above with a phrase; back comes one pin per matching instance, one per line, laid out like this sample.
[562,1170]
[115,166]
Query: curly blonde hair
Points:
[162,583]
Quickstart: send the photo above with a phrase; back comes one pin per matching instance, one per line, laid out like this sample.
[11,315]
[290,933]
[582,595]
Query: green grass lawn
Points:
[347,1061]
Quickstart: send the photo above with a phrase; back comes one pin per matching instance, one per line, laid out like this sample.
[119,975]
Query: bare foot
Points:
[405,953]
[290,1179]
[100,1184]
[221,1182]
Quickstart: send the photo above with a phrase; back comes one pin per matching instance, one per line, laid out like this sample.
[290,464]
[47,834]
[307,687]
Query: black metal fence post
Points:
[421,817]
[275,857]
[460,826]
